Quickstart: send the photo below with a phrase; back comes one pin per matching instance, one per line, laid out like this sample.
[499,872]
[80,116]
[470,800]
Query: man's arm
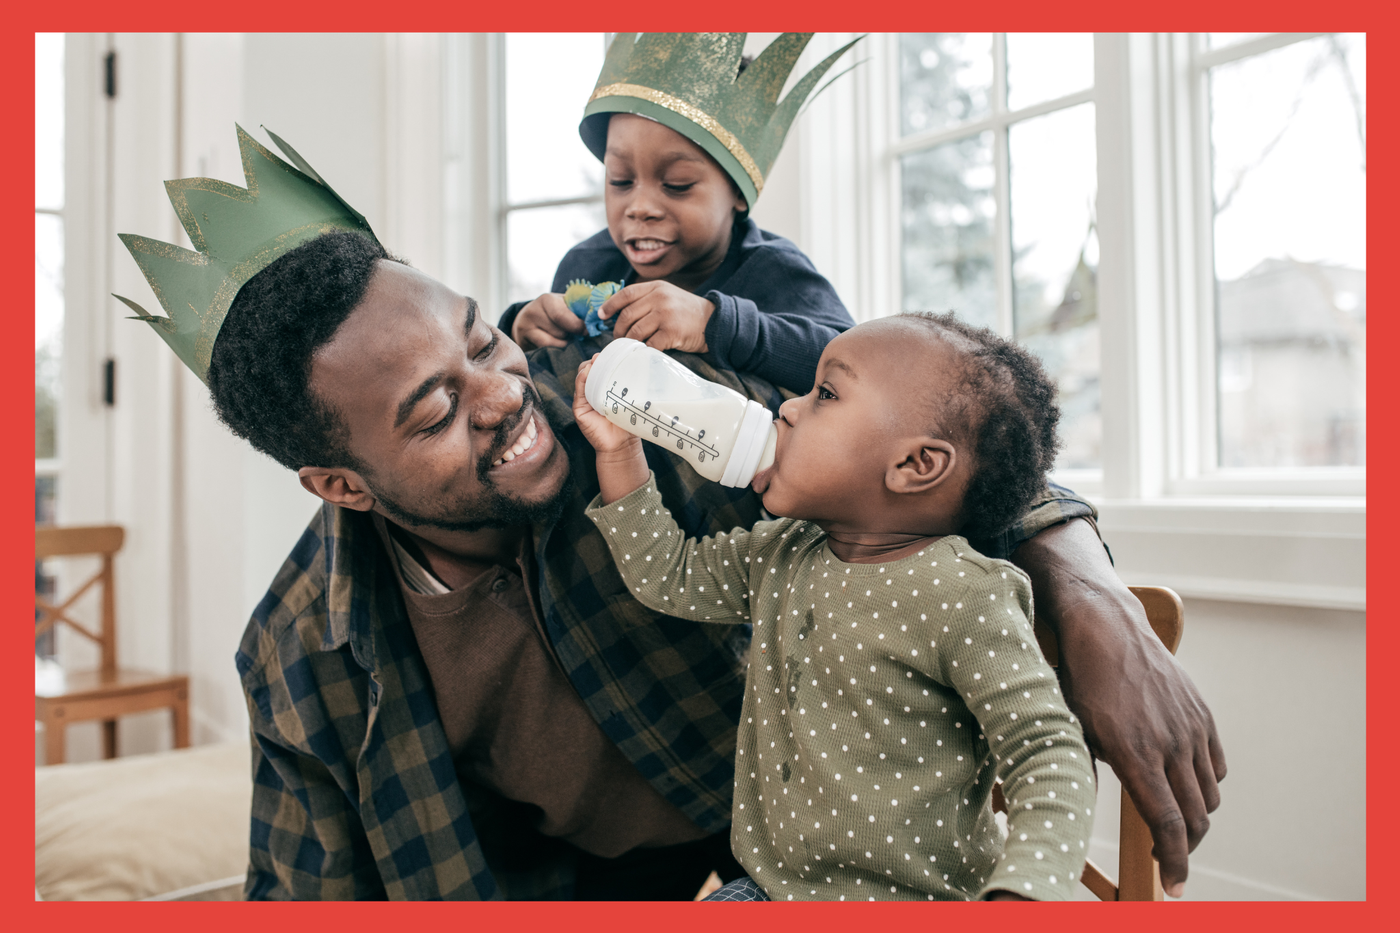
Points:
[1140,711]
[306,841]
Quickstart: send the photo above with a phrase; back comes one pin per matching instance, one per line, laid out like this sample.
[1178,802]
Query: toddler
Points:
[893,675]
[700,275]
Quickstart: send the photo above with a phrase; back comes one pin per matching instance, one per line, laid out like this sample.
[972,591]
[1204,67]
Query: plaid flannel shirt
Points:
[355,793]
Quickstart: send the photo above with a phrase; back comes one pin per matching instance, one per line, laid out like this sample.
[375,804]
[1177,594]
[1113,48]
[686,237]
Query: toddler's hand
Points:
[606,437]
[661,315]
[545,322]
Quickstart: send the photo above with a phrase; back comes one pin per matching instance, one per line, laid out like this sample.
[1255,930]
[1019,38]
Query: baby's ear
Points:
[927,462]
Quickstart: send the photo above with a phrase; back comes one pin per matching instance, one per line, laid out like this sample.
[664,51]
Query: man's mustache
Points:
[500,442]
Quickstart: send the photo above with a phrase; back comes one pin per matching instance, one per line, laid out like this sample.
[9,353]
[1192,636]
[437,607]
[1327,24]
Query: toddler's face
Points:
[670,206]
[878,385]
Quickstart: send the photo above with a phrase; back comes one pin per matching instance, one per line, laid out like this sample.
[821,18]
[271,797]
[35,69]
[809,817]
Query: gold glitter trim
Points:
[691,113]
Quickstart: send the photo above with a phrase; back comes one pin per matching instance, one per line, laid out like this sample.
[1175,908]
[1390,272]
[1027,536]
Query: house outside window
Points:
[1287,156]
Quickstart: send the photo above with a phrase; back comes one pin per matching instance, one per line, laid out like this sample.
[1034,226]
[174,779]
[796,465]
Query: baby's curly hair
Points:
[1006,414]
[259,375]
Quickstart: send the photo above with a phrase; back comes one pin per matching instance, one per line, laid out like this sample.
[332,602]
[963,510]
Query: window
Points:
[553,184]
[996,161]
[1287,157]
[48,290]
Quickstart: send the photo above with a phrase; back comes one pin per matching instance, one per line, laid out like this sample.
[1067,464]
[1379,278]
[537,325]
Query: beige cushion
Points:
[144,826]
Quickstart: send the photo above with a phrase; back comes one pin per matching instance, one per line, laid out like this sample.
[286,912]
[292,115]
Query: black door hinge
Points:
[109,382]
[110,69]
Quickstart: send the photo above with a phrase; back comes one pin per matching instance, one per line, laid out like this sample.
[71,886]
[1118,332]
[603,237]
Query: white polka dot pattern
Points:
[882,703]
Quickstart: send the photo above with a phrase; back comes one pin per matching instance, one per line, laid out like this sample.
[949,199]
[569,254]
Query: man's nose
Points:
[495,397]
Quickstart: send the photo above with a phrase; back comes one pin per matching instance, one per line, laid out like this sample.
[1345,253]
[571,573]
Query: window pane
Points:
[537,239]
[1054,266]
[548,79]
[48,120]
[1046,65]
[48,330]
[945,78]
[1289,173]
[948,217]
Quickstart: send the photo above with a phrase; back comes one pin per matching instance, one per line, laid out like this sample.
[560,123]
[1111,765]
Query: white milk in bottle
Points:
[726,437]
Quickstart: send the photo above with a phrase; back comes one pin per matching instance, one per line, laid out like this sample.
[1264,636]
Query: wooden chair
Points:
[108,692]
[1139,877]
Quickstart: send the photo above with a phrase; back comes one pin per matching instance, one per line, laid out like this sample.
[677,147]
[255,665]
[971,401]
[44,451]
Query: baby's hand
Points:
[661,315]
[545,322]
[606,437]
[622,465]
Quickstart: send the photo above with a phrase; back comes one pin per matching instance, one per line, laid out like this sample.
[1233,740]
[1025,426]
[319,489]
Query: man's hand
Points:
[659,314]
[1140,711]
[545,322]
[622,465]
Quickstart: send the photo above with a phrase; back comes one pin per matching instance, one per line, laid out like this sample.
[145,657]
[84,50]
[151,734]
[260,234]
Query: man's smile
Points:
[532,445]
[523,442]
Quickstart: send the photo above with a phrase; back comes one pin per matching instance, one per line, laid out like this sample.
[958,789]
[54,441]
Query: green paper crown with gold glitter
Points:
[236,233]
[691,83]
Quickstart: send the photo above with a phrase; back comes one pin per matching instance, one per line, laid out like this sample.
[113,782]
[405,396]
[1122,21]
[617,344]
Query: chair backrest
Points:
[103,541]
[1139,878]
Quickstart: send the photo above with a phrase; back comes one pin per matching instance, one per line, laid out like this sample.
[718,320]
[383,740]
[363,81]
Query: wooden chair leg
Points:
[109,738]
[54,746]
[1139,878]
[180,718]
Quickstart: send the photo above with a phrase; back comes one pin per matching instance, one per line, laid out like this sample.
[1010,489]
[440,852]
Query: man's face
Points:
[440,408]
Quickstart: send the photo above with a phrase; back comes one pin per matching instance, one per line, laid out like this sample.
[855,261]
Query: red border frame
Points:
[16,62]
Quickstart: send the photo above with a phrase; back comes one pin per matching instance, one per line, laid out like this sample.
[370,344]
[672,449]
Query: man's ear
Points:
[927,462]
[338,486]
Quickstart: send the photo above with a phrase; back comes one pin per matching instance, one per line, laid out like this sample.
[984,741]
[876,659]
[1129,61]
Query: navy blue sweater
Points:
[774,313]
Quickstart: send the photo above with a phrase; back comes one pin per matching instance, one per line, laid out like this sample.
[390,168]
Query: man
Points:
[452,694]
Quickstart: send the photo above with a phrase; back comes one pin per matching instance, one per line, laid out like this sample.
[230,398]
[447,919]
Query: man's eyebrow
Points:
[407,405]
[471,316]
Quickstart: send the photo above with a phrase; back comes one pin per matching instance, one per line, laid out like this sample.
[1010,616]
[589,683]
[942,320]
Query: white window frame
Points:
[475,163]
[1197,471]
[1155,224]
[999,121]
[1171,516]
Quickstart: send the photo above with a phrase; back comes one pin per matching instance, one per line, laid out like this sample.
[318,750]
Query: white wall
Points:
[209,520]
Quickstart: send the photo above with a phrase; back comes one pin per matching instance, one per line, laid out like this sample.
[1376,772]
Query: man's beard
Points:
[494,509]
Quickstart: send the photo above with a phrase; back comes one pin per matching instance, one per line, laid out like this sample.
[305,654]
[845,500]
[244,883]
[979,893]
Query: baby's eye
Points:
[679,189]
[620,182]
[824,393]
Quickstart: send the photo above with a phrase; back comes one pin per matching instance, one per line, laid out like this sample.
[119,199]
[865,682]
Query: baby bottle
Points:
[726,437]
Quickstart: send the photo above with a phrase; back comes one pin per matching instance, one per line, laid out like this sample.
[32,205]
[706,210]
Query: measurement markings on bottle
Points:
[672,429]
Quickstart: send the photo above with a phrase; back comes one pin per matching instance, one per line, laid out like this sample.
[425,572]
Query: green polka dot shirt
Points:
[882,703]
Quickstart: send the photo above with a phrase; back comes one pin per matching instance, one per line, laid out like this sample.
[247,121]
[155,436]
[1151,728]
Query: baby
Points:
[893,675]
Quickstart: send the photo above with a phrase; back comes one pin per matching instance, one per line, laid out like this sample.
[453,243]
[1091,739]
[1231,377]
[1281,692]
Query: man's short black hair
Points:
[1006,414]
[260,370]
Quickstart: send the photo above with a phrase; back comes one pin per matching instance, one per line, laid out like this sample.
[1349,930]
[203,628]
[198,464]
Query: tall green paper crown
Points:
[236,234]
[690,82]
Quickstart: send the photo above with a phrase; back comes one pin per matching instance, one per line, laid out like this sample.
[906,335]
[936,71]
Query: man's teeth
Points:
[527,440]
[648,244]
